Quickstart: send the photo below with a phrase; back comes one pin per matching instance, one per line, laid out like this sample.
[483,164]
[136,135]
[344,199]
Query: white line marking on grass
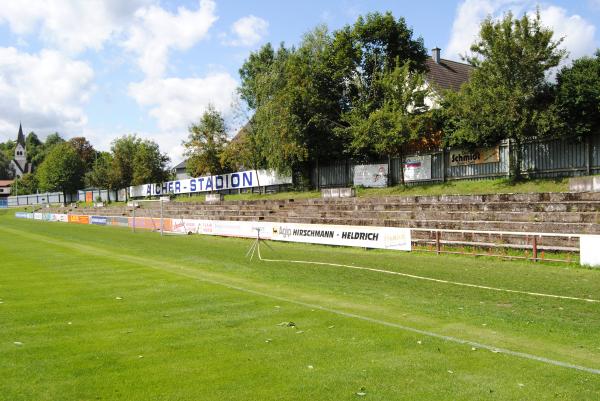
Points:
[194,274]
[436,280]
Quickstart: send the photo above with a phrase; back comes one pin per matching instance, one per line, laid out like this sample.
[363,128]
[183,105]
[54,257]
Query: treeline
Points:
[361,92]
[69,165]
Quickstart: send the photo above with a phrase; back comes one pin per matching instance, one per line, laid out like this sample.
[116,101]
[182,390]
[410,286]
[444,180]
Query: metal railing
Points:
[521,245]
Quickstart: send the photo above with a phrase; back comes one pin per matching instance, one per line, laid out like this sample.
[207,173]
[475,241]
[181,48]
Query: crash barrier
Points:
[356,236]
[435,240]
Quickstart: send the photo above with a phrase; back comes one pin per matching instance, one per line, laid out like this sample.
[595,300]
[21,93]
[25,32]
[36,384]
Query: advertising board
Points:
[371,175]
[360,236]
[79,219]
[417,168]
[462,157]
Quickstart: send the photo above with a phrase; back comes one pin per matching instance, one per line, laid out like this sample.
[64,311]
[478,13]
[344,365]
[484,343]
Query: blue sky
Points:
[104,68]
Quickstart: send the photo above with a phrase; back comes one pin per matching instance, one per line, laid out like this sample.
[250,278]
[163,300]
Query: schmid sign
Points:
[476,156]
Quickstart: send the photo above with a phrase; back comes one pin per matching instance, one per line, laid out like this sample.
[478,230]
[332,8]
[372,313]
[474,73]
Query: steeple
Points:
[21,137]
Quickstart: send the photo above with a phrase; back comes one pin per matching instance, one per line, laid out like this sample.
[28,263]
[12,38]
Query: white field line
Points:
[436,280]
[191,273]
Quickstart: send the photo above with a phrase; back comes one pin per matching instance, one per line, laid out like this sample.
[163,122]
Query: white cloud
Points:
[177,102]
[579,34]
[72,26]
[47,91]
[155,31]
[248,31]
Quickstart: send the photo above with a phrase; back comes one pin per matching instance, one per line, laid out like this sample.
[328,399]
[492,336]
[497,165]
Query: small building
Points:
[19,164]
[180,171]
[443,75]
[5,188]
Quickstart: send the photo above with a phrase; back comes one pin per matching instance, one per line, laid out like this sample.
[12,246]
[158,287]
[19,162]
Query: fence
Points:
[540,159]
[40,199]
[3,203]
[105,195]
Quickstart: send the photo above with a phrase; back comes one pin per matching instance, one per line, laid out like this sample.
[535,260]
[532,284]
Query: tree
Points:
[35,149]
[6,171]
[299,95]
[62,170]
[27,184]
[102,173]
[506,96]
[149,165]
[578,96]
[123,150]
[8,148]
[387,129]
[85,150]
[205,144]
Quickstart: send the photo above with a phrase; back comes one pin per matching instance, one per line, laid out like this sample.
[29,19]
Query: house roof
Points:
[6,183]
[181,165]
[448,74]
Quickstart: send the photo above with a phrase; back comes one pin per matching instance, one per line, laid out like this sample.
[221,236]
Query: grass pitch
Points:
[92,312]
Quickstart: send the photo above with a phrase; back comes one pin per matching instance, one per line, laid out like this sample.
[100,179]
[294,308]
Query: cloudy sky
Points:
[104,68]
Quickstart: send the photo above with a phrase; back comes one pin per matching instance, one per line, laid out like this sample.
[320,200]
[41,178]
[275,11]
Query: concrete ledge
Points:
[214,198]
[338,193]
[584,184]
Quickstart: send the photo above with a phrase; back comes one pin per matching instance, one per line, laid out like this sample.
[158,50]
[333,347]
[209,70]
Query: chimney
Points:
[435,54]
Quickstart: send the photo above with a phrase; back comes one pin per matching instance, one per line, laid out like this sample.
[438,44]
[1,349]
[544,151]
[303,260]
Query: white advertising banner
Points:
[38,216]
[239,180]
[417,168]
[361,236]
[371,175]
[589,250]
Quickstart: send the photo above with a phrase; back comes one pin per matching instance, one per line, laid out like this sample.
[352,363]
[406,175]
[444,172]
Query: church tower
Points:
[19,163]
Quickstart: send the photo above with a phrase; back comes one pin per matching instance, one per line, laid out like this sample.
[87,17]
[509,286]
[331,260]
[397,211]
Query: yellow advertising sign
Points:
[461,157]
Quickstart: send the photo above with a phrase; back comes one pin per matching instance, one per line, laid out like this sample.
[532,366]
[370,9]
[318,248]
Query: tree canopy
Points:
[62,170]
[206,142]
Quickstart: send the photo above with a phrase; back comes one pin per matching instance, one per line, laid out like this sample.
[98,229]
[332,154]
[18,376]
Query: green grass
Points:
[502,185]
[199,321]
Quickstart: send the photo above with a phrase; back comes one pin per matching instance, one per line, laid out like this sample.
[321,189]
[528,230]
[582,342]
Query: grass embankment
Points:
[92,312]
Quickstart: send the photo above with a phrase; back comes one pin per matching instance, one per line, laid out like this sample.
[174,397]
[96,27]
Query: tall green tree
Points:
[27,184]
[506,96]
[578,96]
[389,128]
[6,172]
[206,142]
[123,150]
[149,164]
[85,150]
[62,170]
[35,149]
[102,173]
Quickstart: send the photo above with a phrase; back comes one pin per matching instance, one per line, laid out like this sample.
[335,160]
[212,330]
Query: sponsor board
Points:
[589,248]
[119,221]
[360,236]
[371,175]
[99,220]
[238,180]
[417,168]
[476,156]
[38,216]
[79,219]
[23,215]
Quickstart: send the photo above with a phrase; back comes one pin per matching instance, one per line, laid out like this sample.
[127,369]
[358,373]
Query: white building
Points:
[19,163]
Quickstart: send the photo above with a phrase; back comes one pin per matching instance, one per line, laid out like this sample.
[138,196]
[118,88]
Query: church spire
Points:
[21,137]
